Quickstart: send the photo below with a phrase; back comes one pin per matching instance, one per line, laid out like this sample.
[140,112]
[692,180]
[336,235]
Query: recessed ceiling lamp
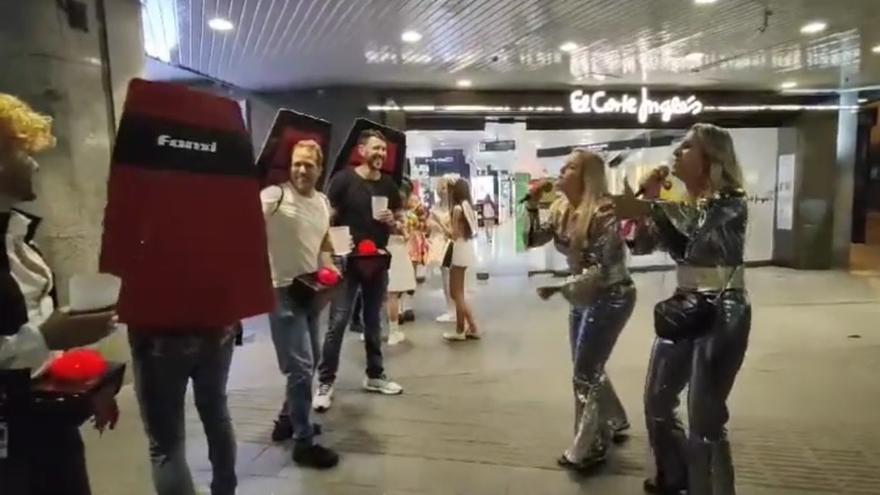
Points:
[411,36]
[568,46]
[788,85]
[464,83]
[220,24]
[814,27]
[704,2]
[876,49]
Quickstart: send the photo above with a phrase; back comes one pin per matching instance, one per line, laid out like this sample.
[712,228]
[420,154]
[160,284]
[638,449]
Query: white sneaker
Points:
[395,337]
[362,337]
[382,386]
[455,336]
[323,398]
[446,318]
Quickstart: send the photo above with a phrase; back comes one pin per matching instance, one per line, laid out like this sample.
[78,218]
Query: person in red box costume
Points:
[184,231]
[352,192]
[31,327]
[297,225]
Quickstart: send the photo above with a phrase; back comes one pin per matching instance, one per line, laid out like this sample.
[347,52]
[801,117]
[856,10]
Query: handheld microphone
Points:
[537,192]
[661,173]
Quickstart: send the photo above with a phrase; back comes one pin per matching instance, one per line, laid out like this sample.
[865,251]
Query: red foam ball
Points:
[367,247]
[328,277]
[78,366]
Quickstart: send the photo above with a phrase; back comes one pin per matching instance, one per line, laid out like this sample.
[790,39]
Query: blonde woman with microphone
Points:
[584,227]
[703,329]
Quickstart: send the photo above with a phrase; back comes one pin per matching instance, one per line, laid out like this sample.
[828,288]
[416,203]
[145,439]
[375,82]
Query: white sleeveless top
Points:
[295,227]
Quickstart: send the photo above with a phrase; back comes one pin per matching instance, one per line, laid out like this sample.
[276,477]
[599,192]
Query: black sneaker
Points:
[314,456]
[283,429]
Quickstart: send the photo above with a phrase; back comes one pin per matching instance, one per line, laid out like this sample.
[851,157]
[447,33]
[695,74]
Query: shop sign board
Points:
[640,105]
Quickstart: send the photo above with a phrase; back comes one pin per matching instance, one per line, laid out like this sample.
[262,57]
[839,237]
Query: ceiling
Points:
[515,44]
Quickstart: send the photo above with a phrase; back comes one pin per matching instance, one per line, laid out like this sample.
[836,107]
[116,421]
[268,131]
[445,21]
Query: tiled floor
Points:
[489,417]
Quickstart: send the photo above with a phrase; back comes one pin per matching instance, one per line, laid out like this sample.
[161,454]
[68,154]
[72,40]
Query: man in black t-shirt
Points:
[351,195]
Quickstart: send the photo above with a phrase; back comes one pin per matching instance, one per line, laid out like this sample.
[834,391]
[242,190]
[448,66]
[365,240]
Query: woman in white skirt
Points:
[439,243]
[463,226]
[401,274]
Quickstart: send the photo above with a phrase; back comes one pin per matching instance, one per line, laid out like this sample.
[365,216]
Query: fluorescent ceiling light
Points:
[704,2]
[568,46]
[814,27]
[788,85]
[876,49]
[411,36]
[695,56]
[464,83]
[220,24]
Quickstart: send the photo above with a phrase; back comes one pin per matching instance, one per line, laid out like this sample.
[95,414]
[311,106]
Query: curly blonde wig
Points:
[22,127]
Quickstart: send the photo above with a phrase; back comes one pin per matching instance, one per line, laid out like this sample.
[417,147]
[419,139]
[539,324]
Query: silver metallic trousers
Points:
[593,331]
[702,461]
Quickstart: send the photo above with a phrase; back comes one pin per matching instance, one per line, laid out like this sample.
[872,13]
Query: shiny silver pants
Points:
[708,365]
[593,331]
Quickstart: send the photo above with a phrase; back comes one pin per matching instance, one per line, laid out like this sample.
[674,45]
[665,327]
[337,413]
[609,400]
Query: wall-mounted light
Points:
[568,46]
[411,36]
[876,49]
[788,85]
[221,24]
[464,83]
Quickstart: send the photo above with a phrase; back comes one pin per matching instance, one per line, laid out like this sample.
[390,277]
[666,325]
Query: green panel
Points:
[520,189]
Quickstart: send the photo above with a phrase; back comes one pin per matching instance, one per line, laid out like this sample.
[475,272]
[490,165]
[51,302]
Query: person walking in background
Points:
[351,194]
[703,329]
[490,217]
[459,257]
[297,225]
[584,228]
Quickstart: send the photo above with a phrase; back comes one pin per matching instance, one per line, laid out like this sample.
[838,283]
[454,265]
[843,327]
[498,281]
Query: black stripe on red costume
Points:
[184,228]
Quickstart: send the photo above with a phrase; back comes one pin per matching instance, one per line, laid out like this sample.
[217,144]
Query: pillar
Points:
[72,60]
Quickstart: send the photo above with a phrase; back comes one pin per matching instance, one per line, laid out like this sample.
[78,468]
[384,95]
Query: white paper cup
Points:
[94,291]
[380,204]
[340,237]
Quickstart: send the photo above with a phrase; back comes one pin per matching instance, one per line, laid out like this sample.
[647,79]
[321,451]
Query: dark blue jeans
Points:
[296,337]
[163,367]
[373,294]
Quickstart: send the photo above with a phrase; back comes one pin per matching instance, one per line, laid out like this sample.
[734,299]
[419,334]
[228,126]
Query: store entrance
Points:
[502,159]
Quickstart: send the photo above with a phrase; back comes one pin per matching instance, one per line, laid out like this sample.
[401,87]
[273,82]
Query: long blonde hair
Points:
[592,168]
[725,173]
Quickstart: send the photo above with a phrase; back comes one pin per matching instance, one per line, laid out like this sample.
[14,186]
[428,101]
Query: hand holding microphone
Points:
[650,187]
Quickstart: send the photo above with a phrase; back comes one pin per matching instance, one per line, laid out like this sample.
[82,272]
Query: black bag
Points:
[685,315]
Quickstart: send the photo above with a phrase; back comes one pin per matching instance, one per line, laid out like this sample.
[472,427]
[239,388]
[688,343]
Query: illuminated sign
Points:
[642,106]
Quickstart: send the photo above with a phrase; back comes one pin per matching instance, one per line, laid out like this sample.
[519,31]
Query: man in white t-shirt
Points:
[297,225]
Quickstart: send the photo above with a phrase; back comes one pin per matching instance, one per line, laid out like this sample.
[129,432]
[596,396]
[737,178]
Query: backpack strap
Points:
[280,200]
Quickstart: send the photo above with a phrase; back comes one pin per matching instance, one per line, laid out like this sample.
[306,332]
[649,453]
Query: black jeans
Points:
[709,366]
[372,291]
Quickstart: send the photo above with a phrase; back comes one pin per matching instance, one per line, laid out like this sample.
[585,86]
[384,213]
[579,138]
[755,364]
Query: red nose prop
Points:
[328,277]
[367,247]
[78,366]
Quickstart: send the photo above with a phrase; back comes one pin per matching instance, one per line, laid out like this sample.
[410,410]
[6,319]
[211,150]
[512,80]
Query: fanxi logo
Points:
[183,144]
[643,106]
